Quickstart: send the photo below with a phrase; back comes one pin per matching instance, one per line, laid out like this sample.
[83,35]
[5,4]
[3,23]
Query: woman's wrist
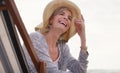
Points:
[83,42]
[84,49]
[83,45]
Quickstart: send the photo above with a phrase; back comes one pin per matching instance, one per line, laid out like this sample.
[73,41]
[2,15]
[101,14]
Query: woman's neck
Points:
[51,38]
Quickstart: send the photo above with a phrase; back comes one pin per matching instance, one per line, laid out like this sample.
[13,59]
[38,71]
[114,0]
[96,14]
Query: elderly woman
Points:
[61,20]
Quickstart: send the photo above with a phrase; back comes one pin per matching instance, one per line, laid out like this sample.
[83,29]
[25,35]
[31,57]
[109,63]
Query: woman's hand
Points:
[80,28]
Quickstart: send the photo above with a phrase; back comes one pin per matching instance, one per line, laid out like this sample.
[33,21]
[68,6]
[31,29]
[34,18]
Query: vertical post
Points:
[40,66]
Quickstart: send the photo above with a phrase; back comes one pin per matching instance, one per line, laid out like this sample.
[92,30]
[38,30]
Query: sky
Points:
[102,21]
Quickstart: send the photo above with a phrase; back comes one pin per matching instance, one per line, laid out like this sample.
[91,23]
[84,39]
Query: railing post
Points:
[10,5]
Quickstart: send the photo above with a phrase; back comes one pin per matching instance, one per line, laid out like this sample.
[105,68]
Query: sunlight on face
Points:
[61,19]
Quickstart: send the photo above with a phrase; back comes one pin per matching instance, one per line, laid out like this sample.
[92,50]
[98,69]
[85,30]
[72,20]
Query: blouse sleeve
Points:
[76,66]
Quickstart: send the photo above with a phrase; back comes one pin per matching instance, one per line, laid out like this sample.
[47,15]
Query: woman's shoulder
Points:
[63,46]
[62,43]
[36,35]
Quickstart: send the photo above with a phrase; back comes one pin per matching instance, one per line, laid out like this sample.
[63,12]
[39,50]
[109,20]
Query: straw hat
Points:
[49,10]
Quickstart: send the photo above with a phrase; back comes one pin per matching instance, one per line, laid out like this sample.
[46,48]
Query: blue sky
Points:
[102,20]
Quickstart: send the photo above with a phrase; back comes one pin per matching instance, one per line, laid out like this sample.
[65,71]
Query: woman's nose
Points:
[66,18]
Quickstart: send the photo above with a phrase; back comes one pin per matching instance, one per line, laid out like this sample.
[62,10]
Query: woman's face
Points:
[62,20]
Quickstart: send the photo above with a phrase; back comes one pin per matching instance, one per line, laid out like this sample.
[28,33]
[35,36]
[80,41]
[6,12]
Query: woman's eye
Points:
[61,14]
[70,18]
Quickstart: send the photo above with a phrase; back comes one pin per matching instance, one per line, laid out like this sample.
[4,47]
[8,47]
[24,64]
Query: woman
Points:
[61,20]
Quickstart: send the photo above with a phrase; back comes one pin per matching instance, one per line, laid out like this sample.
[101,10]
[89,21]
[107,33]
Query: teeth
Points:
[61,22]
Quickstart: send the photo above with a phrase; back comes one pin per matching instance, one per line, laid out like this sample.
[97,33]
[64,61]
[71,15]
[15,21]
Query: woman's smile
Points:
[63,22]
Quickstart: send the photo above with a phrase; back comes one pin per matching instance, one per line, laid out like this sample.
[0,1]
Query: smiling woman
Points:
[102,27]
[62,19]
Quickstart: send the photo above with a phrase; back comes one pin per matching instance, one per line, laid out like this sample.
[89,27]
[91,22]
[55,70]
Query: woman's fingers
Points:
[79,24]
